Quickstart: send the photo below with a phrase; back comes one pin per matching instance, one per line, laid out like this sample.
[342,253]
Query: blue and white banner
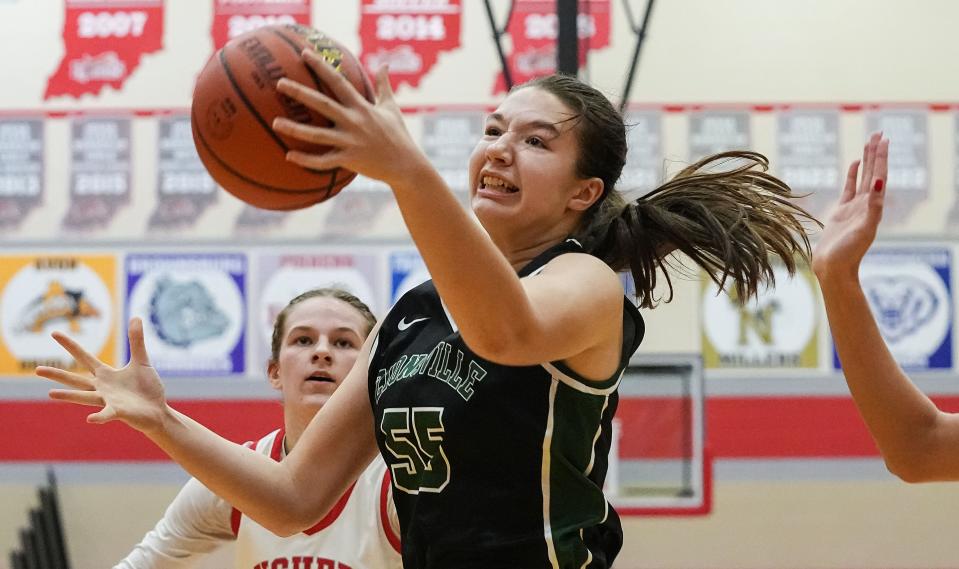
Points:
[910,294]
[407,270]
[193,308]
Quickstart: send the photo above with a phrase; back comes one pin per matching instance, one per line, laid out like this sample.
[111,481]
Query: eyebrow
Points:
[313,330]
[536,124]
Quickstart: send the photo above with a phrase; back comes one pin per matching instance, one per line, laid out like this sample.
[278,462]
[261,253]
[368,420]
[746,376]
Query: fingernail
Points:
[878,185]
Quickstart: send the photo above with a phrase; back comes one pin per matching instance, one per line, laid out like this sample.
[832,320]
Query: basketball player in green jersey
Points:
[489,390]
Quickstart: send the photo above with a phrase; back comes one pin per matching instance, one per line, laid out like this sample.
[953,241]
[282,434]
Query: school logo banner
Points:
[193,308]
[73,294]
[280,278]
[779,329]
[104,41]
[910,295]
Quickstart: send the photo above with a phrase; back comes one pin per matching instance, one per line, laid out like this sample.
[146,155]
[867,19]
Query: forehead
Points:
[324,312]
[535,105]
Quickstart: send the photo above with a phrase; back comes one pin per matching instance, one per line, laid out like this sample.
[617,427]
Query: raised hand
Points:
[132,394]
[369,138]
[850,227]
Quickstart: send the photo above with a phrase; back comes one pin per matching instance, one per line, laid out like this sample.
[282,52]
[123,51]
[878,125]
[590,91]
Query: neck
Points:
[294,427]
[520,251]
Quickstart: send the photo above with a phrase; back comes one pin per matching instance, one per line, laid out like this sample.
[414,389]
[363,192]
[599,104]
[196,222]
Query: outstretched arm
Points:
[284,497]
[917,441]
[500,317]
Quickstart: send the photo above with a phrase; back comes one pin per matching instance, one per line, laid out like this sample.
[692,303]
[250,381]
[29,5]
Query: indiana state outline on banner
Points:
[103,43]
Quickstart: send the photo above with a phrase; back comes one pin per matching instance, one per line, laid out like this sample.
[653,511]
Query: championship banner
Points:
[952,220]
[908,134]
[779,329]
[103,42]
[21,169]
[193,308]
[407,35]
[73,294]
[357,210]
[809,157]
[910,293]
[184,188]
[280,278]
[253,220]
[711,132]
[100,171]
[643,171]
[448,140]
[533,28]
[407,271]
[234,17]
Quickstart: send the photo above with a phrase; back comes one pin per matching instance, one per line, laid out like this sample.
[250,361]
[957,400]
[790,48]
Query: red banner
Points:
[234,17]
[104,41]
[533,28]
[407,35]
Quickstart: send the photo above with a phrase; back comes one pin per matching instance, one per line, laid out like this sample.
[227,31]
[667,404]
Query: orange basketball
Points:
[234,104]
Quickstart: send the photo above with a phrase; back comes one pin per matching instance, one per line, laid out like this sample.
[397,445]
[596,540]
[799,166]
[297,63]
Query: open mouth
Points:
[321,377]
[494,184]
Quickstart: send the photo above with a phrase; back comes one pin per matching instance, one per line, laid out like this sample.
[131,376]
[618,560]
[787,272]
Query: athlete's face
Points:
[321,340]
[523,170]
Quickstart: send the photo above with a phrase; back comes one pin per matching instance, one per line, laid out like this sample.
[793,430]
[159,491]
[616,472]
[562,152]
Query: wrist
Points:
[415,173]
[165,422]
[839,278]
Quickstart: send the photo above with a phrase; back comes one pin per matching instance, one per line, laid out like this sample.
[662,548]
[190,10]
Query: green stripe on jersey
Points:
[575,502]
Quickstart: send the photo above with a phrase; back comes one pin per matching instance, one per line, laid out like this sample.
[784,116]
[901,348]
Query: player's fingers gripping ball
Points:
[235,101]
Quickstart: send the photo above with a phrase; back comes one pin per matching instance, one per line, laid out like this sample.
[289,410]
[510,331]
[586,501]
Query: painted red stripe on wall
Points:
[736,428]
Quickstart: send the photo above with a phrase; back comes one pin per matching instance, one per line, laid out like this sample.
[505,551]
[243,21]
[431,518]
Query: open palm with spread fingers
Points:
[851,226]
[132,394]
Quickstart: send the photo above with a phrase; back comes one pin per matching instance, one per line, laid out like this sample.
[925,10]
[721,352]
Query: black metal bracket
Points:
[640,33]
[498,37]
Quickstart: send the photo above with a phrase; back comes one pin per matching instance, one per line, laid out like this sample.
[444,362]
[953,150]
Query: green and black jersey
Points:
[493,466]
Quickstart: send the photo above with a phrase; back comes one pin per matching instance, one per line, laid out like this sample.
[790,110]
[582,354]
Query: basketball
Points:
[234,104]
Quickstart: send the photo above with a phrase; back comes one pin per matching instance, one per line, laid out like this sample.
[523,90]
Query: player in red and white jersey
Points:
[315,341]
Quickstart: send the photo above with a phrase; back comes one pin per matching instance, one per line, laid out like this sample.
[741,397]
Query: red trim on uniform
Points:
[276,451]
[334,513]
[384,512]
[235,517]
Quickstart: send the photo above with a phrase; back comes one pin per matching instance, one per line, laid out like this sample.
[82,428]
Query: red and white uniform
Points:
[360,532]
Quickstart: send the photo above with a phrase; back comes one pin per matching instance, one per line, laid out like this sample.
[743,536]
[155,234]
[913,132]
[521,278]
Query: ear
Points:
[588,191]
[273,373]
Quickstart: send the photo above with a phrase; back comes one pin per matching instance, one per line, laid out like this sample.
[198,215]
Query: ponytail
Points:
[728,222]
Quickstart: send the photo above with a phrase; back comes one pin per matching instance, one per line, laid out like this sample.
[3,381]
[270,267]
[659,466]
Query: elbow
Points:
[289,521]
[910,468]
